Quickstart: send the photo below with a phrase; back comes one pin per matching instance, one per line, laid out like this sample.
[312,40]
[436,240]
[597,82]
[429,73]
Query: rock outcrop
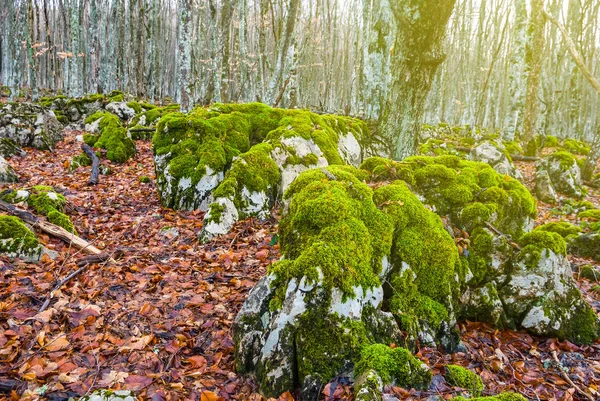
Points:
[28,125]
[349,248]
[234,161]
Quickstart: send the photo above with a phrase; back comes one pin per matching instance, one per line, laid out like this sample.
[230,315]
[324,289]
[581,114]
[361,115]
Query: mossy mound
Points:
[562,228]
[575,146]
[464,378]
[394,366]
[238,158]
[564,173]
[113,137]
[470,193]
[45,201]
[18,241]
[362,263]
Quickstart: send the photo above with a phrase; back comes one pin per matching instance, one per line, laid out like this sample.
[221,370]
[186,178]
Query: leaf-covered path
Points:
[158,321]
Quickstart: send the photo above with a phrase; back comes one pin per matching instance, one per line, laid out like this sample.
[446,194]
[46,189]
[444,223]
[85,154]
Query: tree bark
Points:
[417,54]
[534,65]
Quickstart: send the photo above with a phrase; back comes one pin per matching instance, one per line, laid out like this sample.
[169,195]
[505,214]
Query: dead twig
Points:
[568,379]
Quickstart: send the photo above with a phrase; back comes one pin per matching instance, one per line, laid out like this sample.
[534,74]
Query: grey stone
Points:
[30,125]
[544,190]
[7,173]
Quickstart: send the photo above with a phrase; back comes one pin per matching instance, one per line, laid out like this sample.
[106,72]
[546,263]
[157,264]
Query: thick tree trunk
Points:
[534,66]
[416,56]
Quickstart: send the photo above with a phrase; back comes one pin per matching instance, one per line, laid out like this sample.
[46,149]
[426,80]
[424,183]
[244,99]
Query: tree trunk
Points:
[534,65]
[416,56]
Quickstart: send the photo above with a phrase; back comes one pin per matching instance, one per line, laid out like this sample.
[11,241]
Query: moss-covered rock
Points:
[564,173]
[45,201]
[112,136]
[18,241]
[496,155]
[563,228]
[542,293]
[247,154]
[394,366]
[575,146]
[461,377]
[349,248]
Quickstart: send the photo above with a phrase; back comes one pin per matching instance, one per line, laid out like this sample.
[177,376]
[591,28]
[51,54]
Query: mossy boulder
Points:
[563,171]
[242,157]
[18,241]
[29,125]
[111,135]
[351,249]
[45,201]
[544,190]
[585,245]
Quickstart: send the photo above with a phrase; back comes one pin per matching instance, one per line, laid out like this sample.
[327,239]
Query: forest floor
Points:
[158,321]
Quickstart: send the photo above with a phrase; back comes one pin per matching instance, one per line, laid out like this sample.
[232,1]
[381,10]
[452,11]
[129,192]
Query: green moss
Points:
[317,334]
[44,200]
[145,179]
[61,220]
[551,141]
[420,240]
[410,307]
[16,238]
[563,228]
[535,242]
[499,397]
[394,365]
[80,160]
[451,185]
[333,232]
[90,139]
[464,378]
[513,148]
[215,212]
[591,214]
[113,137]
[566,159]
[589,272]
[575,146]
[255,170]
[135,106]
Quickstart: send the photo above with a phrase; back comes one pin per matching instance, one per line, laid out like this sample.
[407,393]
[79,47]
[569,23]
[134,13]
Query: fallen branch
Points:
[95,163]
[50,228]
[83,263]
[568,379]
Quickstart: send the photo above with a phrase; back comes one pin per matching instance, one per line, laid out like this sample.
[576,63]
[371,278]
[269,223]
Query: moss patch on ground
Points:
[394,365]
[464,378]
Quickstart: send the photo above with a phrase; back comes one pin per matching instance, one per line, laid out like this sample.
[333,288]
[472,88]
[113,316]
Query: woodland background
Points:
[326,55]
